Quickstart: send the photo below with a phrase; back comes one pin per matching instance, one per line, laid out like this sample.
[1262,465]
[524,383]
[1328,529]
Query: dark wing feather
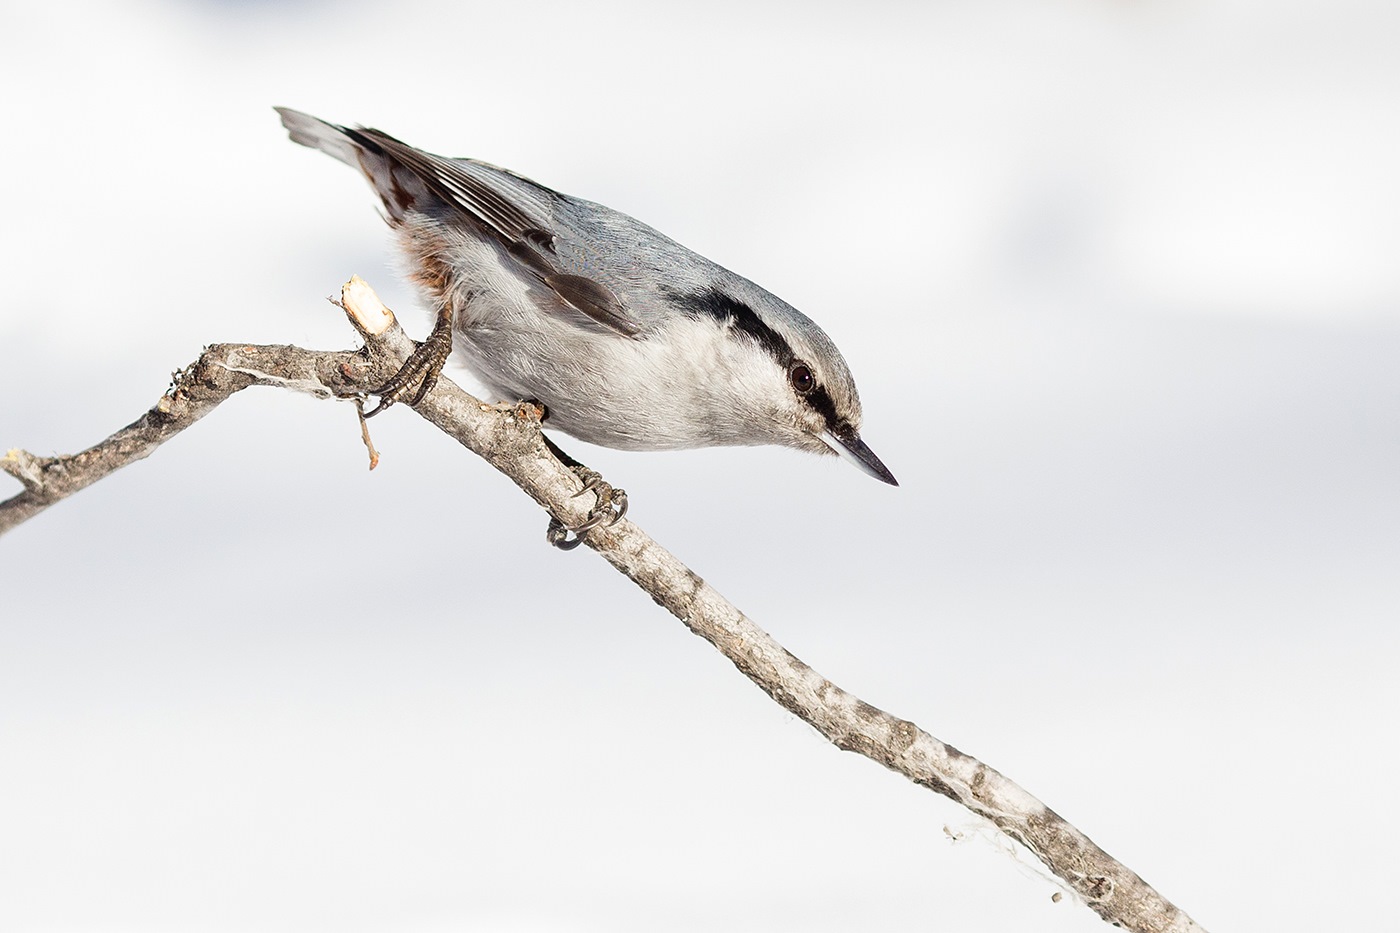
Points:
[520,233]
[595,300]
[449,182]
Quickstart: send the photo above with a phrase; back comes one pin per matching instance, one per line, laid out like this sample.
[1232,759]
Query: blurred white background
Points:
[1118,282]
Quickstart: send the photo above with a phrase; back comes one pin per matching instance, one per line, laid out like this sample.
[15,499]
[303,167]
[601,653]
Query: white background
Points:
[1119,285]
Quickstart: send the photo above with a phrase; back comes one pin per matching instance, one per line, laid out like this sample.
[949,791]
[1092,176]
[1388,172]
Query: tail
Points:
[399,188]
[318,134]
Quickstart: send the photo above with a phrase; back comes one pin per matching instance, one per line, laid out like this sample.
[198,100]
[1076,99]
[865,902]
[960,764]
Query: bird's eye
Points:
[801,378]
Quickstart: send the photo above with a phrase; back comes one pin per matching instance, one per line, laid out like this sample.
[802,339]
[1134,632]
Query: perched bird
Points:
[627,338]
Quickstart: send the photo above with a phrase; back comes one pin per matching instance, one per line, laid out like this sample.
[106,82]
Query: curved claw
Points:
[384,402]
[611,507]
[558,535]
[422,368]
[604,517]
[620,500]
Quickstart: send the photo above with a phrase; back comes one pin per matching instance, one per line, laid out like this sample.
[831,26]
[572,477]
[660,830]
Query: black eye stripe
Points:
[724,308]
[821,403]
[716,304]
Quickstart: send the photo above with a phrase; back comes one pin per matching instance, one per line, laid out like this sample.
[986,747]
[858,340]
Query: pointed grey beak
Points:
[849,447]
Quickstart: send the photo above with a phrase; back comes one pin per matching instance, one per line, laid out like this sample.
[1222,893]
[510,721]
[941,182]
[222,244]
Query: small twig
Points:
[364,432]
[26,468]
[508,436]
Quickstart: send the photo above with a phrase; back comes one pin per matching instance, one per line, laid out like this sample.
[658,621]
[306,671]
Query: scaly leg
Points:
[422,368]
[610,506]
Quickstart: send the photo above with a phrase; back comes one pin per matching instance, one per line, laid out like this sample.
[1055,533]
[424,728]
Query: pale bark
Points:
[509,438]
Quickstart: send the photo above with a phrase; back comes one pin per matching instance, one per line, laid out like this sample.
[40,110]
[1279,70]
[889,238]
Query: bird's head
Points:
[794,382]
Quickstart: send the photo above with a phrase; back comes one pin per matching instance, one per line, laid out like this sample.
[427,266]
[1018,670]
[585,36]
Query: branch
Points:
[508,436]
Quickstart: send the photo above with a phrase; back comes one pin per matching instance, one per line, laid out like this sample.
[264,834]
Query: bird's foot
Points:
[611,505]
[420,372]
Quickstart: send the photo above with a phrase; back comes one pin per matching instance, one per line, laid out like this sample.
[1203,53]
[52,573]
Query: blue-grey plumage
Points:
[627,338]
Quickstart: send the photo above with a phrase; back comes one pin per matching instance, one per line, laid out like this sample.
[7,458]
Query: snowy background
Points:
[1118,281]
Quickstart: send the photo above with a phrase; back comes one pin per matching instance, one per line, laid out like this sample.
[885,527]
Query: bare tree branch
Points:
[509,438]
[220,371]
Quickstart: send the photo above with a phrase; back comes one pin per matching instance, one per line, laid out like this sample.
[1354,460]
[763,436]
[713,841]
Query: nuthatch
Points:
[627,338]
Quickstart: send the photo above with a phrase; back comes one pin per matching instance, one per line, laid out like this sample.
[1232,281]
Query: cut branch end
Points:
[366,311]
